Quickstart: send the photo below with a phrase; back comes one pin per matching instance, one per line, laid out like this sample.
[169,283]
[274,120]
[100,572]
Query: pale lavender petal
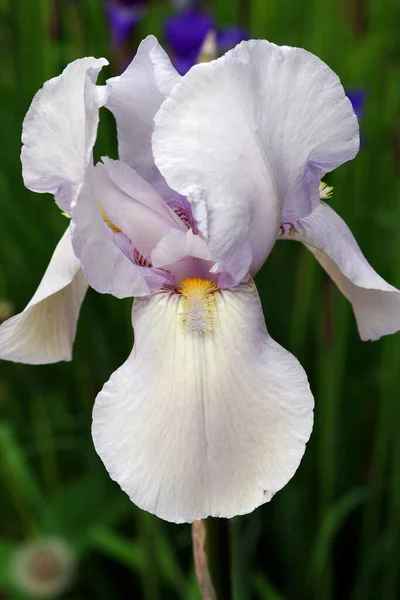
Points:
[248,137]
[134,206]
[60,129]
[182,207]
[106,266]
[199,424]
[134,99]
[44,331]
[176,245]
[375,302]
[183,254]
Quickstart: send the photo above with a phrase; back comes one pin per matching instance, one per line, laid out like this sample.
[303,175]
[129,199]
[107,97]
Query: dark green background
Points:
[333,531]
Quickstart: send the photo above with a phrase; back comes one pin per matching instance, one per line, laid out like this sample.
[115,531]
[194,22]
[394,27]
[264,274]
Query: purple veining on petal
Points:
[155,278]
[173,273]
[140,260]
[122,241]
[357,97]
[137,220]
[182,207]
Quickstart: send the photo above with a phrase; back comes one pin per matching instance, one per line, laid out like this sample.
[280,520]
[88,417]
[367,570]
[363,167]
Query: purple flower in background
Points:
[183,63]
[230,36]
[357,97]
[123,15]
[186,32]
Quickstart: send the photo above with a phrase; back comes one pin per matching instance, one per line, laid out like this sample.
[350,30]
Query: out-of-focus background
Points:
[333,531]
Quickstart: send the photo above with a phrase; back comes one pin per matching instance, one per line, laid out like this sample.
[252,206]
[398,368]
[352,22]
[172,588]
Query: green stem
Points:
[149,571]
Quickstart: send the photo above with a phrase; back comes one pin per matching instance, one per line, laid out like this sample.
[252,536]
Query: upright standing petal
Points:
[44,332]
[375,302]
[134,99]
[200,423]
[248,137]
[60,129]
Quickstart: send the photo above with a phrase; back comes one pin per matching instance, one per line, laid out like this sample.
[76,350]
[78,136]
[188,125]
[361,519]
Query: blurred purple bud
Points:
[123,15]
[186,31]
[357,97]
[230,36]
[183,63]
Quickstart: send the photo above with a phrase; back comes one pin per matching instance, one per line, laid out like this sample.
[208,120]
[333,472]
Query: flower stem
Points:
[199,540]
[211,551]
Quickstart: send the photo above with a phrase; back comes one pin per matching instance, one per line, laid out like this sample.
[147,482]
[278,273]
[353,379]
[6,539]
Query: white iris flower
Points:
[208,415]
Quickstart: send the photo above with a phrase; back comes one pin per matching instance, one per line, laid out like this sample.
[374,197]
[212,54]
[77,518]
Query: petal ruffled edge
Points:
[199,424]
[59,131]
[247,138]
[376,303]
[134,98]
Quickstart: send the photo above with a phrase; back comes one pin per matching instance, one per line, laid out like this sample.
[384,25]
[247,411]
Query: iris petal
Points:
[247,138]
[60,130]
[44,332]
[375,302]
[199,423]
[107,255]
[134,99]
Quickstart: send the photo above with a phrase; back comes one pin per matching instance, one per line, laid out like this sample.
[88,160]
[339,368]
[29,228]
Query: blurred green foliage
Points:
[333,531]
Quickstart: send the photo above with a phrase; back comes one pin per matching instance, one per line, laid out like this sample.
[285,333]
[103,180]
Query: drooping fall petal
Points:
[375,302]
[44,331]
[203,422]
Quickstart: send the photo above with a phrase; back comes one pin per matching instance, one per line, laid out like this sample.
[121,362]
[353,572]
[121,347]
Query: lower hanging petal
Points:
[44,331]
[375,302]
[203,422]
